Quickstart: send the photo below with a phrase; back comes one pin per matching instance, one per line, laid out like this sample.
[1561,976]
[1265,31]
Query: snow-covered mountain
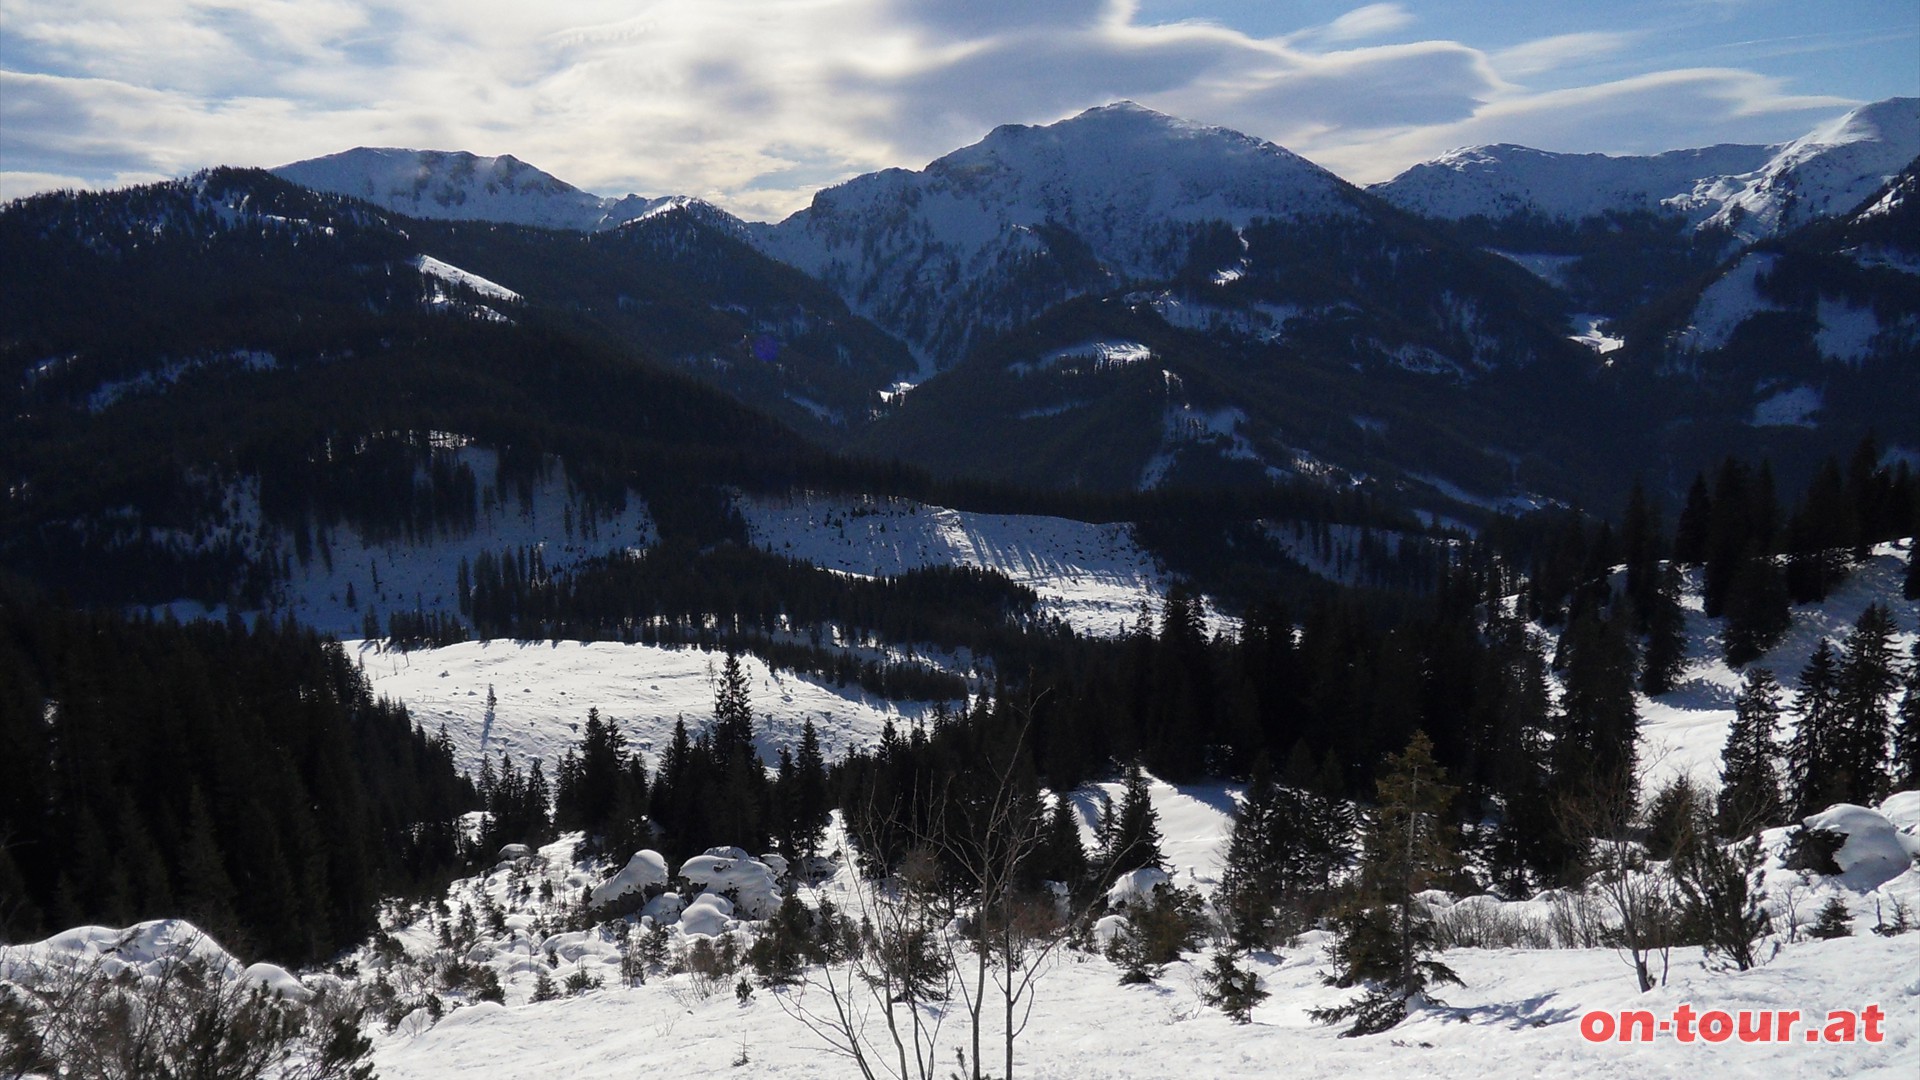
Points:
[458,186]
[1812,310]
[1826,172]
[1503,180]
[1752,191]
[1029,216]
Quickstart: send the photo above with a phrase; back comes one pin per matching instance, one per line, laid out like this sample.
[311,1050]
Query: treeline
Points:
[710,788]
[1756,554]
[1856,735]
[244,778]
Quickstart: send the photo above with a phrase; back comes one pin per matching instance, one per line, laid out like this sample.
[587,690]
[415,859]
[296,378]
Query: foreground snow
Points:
[1518,1016]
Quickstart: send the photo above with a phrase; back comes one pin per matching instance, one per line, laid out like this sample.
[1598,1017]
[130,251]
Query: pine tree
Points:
[1864,692]
[1814,755]
[1231,988]
[1063,858]
[1385,938]
[1690,533]
[1640,546]
[1599,721]
[1750,777]
[732,713]
[1906,736]
[1665,623]
[1135,842]
[811,808]
[1756,609]
[1835,920]
[1249,891]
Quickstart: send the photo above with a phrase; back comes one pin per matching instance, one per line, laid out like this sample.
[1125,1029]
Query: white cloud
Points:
[757,103]
[1368,22]
[1559,51]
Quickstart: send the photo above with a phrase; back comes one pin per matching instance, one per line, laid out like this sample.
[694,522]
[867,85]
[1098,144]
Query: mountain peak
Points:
[1751,190]
[461,186]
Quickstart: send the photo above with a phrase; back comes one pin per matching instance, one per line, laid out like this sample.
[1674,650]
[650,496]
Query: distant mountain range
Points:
[1749,191]
[1118,302]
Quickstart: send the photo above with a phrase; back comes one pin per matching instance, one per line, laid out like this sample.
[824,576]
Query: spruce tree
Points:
[1814,755]
[1385,938]
[1640,546]
[1599,721]
[1249,888]
[1750,776]
[1864,693]
[732,713]
[1063,858]
[1135,840]
[1665,623]
[1906,735]
[1231,988]
[811,807]
[1690,533]
[1756,609]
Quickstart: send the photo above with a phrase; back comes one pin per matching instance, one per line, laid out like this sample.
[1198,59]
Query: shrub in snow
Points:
[1719,907]
[1834,922]
[162,999]
[1156,932]
[1232,989]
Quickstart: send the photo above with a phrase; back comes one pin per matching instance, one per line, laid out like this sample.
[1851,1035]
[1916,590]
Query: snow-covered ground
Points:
[1685,731]
[544,689]
[1518,1016]
[1092,576]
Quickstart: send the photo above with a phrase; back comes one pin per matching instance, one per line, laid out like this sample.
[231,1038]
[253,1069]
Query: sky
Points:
[756,104]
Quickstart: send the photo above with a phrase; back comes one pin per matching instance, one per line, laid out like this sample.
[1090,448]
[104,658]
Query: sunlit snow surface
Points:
[1092,576]
[544,689]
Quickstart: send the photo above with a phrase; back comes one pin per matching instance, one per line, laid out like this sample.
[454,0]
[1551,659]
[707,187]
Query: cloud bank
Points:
[755,104]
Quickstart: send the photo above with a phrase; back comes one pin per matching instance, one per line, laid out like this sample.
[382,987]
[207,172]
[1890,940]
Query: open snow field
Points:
[1093,576]
[544,689]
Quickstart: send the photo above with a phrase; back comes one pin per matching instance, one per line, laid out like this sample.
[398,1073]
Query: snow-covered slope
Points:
[1092,577]
[1753,191]
[1828,171]
[909,249]
[543,690]
[1684,732]
[1502,180]
[458,186]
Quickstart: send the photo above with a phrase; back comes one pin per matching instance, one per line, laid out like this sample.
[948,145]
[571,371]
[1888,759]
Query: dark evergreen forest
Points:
[243,778]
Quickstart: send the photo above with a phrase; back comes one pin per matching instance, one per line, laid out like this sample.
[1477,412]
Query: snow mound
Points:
[515,852]
[664,908]
[708,916]
[1903,810]
[646,869]
[1136,885]
[145,951]
[729,870]
[1874,849]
